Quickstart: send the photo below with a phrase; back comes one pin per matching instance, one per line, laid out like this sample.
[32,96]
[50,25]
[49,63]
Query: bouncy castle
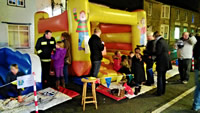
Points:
[121,30]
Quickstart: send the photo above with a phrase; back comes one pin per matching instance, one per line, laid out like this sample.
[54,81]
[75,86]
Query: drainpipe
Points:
[170,22]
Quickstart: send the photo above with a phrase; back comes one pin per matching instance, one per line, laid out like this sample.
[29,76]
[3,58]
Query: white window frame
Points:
[177,14]
[16,3]
[163,29]
[164,10]
[18,33]
[150,8]
[178,33]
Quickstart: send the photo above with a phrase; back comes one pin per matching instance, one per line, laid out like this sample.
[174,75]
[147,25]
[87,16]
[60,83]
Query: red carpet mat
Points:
[68,92]
[104,90]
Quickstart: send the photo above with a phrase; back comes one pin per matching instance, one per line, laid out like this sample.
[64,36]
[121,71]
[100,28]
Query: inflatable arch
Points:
[121,30]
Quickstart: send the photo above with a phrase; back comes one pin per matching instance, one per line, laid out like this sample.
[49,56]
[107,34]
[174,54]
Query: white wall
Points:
[23,15]
[17,15]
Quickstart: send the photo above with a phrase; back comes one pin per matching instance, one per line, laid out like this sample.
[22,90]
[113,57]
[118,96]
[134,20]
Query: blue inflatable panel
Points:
[77,80]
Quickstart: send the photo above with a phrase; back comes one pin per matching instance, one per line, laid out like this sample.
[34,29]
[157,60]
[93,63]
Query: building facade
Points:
[17,21]
[170,20]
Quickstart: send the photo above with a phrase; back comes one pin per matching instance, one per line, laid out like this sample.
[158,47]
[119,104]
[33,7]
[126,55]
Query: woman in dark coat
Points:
[137,69]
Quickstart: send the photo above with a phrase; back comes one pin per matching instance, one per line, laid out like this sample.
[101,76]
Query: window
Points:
[18,36]
[18,3]
[177,33]
[184,29]
[177,14]
[150,9]
[192,30]
[185,16]
[164,30]
[192,18]
[165,11]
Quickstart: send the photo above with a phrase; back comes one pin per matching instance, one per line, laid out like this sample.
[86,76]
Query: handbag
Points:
[66,60]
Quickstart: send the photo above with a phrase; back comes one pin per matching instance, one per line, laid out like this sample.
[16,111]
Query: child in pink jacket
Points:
[117,61]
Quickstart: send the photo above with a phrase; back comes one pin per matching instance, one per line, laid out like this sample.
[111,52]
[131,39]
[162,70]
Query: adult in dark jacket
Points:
[148,53]
[196,54]
[44,46]
[96,48]
[163,62]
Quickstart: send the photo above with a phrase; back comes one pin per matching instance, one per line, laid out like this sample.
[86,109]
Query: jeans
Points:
[184,67]
[65,71]
[150,77]
[161,82]
[95,68]
[196,103]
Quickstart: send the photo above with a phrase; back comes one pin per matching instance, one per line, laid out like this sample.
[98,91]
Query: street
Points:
[145,103]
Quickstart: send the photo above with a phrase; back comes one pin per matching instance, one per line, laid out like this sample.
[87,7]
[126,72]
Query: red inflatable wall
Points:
[115,28]
[57,23]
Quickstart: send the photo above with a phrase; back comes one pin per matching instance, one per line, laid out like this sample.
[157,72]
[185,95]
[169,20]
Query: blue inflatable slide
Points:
[28,63]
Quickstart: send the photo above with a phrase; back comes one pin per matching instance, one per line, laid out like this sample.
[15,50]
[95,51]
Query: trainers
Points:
[184,82]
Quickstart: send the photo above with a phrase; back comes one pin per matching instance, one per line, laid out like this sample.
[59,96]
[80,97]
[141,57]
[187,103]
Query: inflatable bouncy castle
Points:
[9,56]
[121,30]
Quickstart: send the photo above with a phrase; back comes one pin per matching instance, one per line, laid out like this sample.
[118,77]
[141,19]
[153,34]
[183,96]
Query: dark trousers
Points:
[150,78]
[125,70]
[161,82]
[9,88]
[45,74]
[95,68]
[184,67]
[65,70]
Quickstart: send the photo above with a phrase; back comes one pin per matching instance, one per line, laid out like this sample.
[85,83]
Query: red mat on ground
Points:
[68,92]
[104,90]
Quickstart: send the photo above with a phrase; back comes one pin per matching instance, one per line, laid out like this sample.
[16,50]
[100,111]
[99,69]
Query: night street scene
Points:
[99,56]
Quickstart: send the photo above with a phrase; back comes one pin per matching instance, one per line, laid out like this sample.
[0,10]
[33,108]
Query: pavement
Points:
[145,103]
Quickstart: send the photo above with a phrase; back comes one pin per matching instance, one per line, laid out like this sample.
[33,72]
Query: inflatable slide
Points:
[27,63]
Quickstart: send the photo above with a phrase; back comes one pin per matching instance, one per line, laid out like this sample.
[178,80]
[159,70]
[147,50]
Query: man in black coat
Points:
[96,48]
[148,53]
[163,62]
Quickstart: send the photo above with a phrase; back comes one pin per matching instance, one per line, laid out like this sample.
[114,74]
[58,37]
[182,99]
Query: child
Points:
[12,76]
[117,61]
[131,55]
[58,58]
[125,67]
[138,69]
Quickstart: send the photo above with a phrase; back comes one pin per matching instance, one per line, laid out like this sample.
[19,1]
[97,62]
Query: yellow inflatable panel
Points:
[107,15]
[116,37]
